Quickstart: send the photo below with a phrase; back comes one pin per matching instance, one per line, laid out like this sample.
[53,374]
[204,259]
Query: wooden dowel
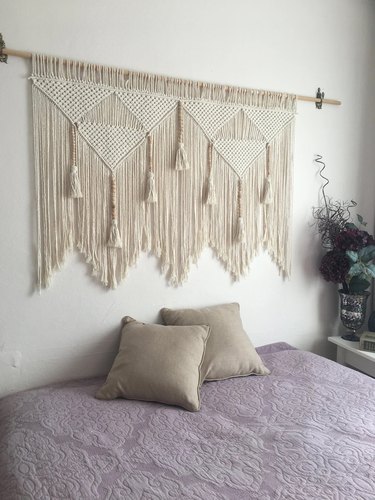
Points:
[316,99]
[27,55]
[17,53]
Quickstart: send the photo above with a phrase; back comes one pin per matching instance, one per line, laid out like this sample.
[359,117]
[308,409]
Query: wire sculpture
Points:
[333,216]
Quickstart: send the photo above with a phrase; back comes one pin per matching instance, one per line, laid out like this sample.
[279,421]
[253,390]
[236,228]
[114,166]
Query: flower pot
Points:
[353,312]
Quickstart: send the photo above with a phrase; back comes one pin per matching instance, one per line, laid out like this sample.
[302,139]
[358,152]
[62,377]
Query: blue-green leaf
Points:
[366,254]
[353,256]
[356,269]
[358,285]
[370,268]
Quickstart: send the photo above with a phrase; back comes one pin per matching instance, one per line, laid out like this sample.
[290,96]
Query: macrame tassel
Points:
[114,239]
[151,195]
[240,230]
[240,233]
[112,280]
[211,194]
[268,191]
[75,184]
[182,162]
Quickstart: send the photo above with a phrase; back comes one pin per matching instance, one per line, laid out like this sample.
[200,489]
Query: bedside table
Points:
[348,354]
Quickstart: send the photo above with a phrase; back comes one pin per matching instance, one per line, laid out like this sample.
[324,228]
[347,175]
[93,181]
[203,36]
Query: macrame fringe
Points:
[114,239]
[112,267]
[75,184]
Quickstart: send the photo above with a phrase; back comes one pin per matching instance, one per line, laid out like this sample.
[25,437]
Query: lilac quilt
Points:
[307,431]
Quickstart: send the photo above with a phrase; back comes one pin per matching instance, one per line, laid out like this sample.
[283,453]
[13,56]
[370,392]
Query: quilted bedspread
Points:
[307,431]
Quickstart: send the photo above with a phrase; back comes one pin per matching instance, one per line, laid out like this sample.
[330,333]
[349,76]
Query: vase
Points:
[352,312]
[371,322]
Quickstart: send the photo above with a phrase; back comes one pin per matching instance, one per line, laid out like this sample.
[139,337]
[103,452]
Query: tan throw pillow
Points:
[229,351]
[158,363]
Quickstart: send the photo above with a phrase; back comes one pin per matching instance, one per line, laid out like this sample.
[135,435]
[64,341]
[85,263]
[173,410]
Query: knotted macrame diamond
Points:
[112,144]
[150,109]
[239,154]
[269,122]
[74,99]
[210,116]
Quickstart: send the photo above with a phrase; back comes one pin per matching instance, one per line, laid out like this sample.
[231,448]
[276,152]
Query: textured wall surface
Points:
[71,330]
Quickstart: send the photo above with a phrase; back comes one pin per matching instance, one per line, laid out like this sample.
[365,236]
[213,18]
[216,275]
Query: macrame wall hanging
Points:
[129,162]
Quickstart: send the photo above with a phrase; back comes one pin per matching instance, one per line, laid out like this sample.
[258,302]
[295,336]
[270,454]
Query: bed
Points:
[307,431]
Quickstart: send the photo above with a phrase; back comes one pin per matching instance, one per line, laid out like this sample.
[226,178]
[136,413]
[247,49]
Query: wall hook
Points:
[3,57]
[320,96]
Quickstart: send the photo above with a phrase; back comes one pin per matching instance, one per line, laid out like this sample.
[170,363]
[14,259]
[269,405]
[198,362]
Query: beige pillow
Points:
[158,363]
[229,351]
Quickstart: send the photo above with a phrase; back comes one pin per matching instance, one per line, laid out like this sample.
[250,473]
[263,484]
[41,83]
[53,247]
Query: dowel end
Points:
[3,57]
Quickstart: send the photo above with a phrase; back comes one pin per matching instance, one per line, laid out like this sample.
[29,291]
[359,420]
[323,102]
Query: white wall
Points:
[71,330]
